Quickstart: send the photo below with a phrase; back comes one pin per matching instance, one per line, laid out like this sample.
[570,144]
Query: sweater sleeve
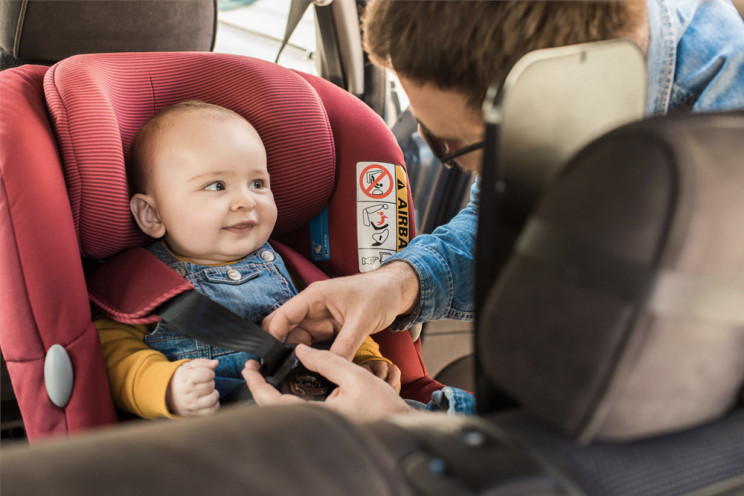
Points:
[138,375]
[369,351]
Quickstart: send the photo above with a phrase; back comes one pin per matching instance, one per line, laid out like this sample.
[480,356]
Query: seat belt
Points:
[206,320]
[327,31]
[296,10]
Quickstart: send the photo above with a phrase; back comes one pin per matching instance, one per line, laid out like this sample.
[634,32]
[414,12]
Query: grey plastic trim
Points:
[58,375]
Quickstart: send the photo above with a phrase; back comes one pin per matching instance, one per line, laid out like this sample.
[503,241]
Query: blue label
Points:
[320,245]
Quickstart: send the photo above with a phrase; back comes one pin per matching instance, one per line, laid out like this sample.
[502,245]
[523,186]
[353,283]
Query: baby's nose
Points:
[243,200]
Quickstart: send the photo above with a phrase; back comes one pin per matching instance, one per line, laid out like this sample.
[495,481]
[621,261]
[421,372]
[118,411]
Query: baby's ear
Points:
[146,215]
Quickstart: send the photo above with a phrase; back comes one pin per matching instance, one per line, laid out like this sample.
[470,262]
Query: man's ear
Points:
[146,215]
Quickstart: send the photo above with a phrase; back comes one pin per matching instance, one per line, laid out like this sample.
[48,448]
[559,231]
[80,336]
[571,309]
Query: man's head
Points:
[447,54]
[199,180]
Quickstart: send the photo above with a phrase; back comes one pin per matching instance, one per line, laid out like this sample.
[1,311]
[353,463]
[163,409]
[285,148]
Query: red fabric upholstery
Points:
[361,135]
[54,187]
[97,102]
[42,289]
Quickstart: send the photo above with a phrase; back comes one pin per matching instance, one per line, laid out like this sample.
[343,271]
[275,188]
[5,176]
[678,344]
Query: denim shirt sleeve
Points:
[453,401]
[695,58]
[444,262]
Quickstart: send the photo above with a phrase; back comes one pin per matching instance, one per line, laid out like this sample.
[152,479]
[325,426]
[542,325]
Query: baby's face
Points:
[211,188]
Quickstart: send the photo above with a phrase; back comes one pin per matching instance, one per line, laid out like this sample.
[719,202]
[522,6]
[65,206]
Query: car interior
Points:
[608,346]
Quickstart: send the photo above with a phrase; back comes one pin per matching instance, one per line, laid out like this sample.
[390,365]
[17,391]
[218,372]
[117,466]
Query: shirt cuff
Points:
[453,401]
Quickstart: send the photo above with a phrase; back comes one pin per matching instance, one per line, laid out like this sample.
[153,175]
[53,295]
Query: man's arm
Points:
[444,263]
[431,278]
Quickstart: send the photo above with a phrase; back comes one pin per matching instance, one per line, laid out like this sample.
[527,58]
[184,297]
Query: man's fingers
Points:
[285,318]
[263,392]
[328,364]
[346,344]
[299,336]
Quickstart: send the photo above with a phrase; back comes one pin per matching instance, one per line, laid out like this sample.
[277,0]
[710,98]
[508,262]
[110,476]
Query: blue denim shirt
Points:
[695,58]
[252,287]
[695,61]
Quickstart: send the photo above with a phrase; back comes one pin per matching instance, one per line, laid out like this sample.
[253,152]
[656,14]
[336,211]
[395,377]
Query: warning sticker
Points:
[382,212]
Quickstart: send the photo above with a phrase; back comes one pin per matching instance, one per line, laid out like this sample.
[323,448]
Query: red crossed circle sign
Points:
[367,190]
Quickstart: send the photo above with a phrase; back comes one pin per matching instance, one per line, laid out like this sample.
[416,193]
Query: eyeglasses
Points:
[442,152]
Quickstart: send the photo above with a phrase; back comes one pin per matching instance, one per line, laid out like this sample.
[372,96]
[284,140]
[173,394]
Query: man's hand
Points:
[191,390]
[347,308]
[388,372]
[360,396]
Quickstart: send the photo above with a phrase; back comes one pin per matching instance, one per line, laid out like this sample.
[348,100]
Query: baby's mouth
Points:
[241,227]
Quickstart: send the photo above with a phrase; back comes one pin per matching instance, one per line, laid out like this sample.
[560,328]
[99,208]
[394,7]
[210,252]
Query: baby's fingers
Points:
[207,405]
[201,371]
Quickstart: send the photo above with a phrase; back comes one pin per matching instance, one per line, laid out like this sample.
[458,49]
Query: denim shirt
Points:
[695,57]
[695,62]
[252,287]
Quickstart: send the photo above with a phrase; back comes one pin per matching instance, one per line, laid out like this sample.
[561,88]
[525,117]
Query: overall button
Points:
[268,256]
[180,271]
[233,275]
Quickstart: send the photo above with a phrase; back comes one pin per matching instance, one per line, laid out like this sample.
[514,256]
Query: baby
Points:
[201,187]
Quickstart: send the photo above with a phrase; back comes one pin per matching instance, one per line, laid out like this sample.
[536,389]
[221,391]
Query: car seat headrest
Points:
[46,32]
[98,102]
[619,314]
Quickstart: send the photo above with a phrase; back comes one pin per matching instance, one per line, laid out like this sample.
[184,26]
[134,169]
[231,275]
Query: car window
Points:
[256,28]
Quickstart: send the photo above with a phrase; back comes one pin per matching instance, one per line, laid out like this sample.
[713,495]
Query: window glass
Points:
[256,28]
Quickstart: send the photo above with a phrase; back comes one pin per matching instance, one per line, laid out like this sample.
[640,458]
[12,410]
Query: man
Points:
[445,55]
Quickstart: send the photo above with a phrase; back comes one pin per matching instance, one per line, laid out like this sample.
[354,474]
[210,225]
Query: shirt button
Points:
[233,275]
[180,271]
[268,256]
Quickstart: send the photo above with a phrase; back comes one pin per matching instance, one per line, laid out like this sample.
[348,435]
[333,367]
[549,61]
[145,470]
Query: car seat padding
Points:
[96,109]
[591,325]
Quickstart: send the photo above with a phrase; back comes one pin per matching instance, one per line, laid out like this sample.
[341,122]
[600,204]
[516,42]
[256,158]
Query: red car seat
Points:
[65,133]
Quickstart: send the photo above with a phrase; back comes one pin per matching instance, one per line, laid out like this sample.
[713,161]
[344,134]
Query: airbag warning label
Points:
[382,212]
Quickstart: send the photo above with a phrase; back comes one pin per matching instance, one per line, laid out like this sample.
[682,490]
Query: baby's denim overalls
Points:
[251,287]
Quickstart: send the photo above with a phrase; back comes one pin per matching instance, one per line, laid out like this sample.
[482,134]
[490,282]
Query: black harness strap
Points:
[208,321]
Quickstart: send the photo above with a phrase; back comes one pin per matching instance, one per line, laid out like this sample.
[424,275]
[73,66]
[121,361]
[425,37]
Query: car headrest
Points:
[46,32]
[619,314]
[98,102]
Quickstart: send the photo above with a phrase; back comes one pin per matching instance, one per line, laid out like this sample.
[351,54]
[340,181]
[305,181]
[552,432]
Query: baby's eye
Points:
[257,184]
[215,186]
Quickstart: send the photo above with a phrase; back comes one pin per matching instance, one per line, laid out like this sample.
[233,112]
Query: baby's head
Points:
[199,180]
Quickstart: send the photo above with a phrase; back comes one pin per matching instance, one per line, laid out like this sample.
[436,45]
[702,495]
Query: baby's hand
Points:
[191,389]
[388,372]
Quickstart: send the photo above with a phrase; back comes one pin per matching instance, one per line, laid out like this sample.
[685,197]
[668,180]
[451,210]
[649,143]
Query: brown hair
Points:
[467,45]
[138,169]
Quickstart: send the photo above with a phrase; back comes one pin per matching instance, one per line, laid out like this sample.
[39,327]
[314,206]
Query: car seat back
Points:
[96,103]
[619,314]
[45,32]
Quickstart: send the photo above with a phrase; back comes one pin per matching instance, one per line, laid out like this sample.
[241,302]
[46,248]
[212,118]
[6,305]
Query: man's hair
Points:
[139,166]
[467,45]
